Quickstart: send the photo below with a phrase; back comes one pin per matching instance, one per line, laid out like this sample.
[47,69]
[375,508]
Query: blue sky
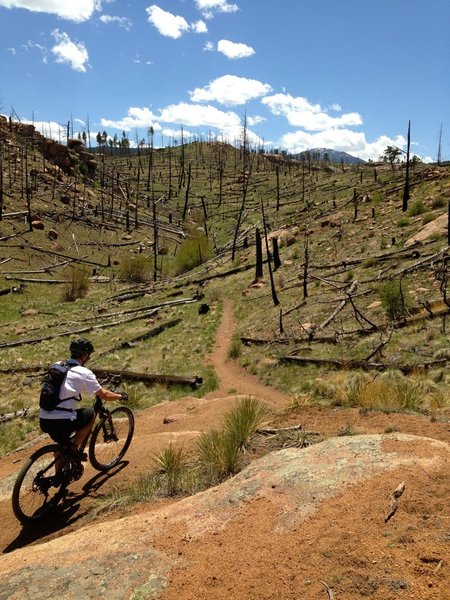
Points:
[345,75]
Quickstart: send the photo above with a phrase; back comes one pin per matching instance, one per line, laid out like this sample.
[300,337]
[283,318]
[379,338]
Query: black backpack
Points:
[51,385]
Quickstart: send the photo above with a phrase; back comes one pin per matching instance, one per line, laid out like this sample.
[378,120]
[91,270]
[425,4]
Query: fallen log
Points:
[365,365]
[76,331]
[248,341]
[143,336]
[18,414]
[117,374]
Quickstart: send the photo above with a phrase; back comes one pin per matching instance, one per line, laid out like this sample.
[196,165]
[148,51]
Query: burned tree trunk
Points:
[276,254]
[259,258]
[272,283]
[406,188]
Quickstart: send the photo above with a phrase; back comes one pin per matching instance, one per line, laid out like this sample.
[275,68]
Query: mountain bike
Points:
[40,486]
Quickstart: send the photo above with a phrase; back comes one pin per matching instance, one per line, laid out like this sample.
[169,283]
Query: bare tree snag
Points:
[276,254]
[406,195]
[305,269]
[272,283]
[259,257]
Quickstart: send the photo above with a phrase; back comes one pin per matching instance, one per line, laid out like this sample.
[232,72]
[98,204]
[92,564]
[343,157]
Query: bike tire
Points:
[111,438]
[33,497]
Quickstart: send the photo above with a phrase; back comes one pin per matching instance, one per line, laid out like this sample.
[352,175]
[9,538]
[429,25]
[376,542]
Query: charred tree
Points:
[259,257]
[276,254]
[406,195]
[272,283]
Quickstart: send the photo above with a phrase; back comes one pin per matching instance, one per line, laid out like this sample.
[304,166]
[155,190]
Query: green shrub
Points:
[78,284]
[416,208]
[135,269]
[395,299]
[235,349]
[171,463]
[427,218]
[219,453]
[438,202]
[370,262]
[192,252]
[243,420]
[403,222]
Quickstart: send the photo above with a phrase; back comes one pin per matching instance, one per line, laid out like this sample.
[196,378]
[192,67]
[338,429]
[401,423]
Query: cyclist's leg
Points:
[83,425]
[60,431]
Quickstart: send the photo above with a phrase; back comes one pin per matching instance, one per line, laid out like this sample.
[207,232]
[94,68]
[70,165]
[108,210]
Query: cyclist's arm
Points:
[106,395]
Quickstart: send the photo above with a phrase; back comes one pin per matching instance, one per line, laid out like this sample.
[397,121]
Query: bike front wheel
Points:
[111,438]
[38,487]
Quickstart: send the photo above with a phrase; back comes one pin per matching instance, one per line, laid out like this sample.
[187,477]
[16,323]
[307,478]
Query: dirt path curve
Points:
[232,377]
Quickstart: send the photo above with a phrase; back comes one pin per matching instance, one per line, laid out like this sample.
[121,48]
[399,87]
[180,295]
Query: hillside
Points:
[143,254]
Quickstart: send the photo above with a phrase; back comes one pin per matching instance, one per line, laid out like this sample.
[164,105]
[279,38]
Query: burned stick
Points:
[394,503]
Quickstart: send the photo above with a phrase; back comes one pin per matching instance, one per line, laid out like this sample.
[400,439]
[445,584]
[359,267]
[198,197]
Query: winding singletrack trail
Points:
[181,421]
[231,375]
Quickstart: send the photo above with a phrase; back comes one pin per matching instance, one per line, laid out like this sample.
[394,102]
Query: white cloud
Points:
[12,50]
[344,140]
[166,23]
[195,114]
[255,120]
[230,90]
[136,118]
[209,47]
[199,27]
[228,123]
[234,50]
[209,7]
[301,113]
[72,10]
[72,53]
[49,129]
[121,21]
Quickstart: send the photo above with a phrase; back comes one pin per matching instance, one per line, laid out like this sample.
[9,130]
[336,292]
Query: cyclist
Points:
[67,418]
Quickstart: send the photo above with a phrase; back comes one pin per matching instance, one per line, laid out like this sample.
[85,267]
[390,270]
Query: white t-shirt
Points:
[79,380]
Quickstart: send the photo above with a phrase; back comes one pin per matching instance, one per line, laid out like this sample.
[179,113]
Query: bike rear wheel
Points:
[111,438]
[37,490]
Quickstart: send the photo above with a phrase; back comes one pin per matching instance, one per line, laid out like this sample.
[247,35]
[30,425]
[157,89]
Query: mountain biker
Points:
[67,418]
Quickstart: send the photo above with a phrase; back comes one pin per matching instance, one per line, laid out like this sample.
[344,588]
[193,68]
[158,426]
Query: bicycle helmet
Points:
[81,347]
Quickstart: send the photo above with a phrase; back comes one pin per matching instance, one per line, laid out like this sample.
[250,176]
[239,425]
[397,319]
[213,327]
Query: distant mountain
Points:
[328,155]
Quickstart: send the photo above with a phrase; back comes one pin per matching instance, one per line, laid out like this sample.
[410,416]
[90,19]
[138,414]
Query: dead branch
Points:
[380,346]
[394,501]
[18,414]
[274,431]
[340,307]
[43,270]
[329,590]
[424,262]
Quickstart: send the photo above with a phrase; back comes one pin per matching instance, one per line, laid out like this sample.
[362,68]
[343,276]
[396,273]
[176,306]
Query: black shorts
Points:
[60,430]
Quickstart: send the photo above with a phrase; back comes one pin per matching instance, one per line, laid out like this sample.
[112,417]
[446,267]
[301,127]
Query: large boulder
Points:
[276,530]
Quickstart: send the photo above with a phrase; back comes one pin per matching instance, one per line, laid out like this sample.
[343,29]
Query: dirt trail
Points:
[233,377]
[183,420]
